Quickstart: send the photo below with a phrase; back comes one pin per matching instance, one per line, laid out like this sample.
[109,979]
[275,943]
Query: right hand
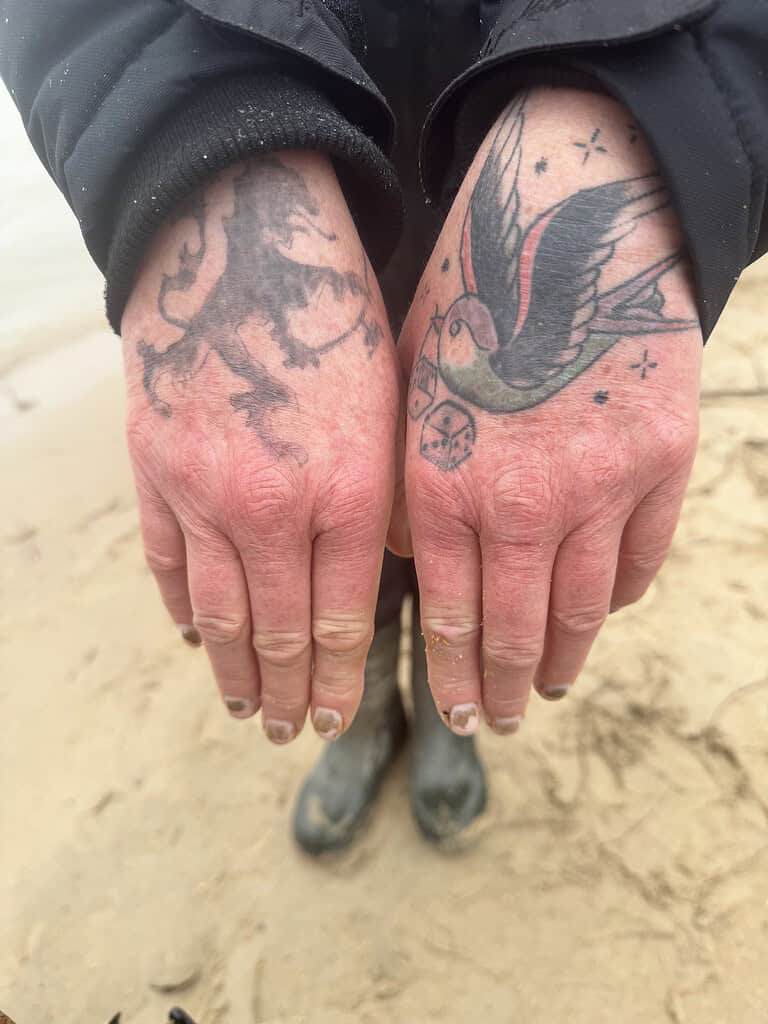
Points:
[262,405]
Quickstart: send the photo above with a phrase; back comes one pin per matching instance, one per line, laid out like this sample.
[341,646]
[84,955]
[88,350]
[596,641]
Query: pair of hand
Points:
[551,359]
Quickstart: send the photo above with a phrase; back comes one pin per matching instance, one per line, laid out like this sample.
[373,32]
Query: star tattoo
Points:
[593,146]
[644,365]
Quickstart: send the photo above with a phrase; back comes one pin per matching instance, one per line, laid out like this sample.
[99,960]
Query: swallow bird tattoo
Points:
[265,279]
[533,316]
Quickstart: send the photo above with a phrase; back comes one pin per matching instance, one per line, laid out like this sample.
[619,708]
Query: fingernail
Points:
[506,726]
[239,707]
[190,635]
[279,731]
[327,723]
[464,719]
[555,692]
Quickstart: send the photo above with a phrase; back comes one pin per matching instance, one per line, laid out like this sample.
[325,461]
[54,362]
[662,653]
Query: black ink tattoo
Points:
[448,435]
[644,365]
[445,265]
[272,206]
[592,146]
[541,165]
[600,397]
[532,317]
[423,387]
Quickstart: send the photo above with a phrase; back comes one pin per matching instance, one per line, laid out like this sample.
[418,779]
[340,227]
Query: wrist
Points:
[223,123]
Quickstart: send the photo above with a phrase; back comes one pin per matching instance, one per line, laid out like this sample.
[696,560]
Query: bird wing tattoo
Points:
[532,305]
[490,243]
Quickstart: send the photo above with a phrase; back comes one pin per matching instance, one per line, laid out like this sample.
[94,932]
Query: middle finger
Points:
[278,576]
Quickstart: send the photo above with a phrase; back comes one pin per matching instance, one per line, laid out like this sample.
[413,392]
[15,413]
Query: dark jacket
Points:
[131,105]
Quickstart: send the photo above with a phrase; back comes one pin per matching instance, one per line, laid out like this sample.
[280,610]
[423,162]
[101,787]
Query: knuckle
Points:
[501,704]
[138,434]
[676,439]
[338,688]
[578,622]
[513,655]
[163,564]
[287,703]
[342,636]
[185,468]
[605,466]
[220,631]
[437,497]
[447,691]
[449,631]
[350,499]
[526,500]
[280,648]
[644,562]
[267,496]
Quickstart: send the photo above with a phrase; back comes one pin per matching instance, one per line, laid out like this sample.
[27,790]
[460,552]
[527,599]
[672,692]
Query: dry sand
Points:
[620,874]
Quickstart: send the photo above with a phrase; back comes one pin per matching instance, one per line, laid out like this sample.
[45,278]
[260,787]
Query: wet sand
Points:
[620,874]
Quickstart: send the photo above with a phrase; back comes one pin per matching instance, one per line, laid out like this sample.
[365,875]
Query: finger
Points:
[345,577]
[646,541]
[516,581]
[166,554]
[580,597]
[222,616]
[451,608]
[279,588]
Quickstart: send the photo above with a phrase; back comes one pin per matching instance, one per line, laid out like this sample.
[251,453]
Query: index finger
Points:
[451,609]
[346,565]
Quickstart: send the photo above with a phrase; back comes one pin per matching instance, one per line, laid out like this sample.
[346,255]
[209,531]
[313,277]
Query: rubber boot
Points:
[339,792]
[447,779]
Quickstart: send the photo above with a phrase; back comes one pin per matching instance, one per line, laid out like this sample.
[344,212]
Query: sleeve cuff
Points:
[230,120]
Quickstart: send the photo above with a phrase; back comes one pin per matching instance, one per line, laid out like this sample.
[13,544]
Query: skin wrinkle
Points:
[528,499]
[255,347]
[557,311]
[537,495]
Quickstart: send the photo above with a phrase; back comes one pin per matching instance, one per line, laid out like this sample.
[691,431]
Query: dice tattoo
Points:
[448,435]
[421,393]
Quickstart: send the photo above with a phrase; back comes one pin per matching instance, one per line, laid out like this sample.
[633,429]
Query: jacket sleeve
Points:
[132,105]
[693,74]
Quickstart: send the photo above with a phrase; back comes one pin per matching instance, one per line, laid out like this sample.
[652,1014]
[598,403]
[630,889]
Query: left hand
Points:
[554,353]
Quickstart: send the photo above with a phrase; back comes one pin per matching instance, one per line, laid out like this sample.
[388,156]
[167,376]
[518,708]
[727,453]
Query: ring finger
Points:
[280,598]
[515,596]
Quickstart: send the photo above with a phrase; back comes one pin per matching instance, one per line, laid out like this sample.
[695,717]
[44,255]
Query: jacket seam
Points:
[132,57]
[492,44]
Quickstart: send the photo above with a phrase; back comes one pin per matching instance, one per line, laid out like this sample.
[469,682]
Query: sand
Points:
[620,874]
